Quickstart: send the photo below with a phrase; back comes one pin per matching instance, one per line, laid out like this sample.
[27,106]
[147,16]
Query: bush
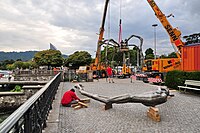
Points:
[177,78]
[17,89]
[193,75]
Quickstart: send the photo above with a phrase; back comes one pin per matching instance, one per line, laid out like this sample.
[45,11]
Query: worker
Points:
[69,98]
[109,74]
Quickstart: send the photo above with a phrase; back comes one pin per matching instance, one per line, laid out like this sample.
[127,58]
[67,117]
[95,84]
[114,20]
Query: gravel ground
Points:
[180,114]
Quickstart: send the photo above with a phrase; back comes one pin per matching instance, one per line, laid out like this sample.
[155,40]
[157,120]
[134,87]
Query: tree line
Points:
[54,58]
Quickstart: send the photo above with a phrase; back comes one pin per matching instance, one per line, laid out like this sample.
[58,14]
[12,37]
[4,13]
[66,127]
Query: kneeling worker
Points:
[69,98]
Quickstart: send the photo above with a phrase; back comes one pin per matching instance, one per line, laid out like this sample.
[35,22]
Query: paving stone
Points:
[180,114]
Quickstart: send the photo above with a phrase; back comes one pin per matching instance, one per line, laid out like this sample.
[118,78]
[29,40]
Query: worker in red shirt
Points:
[69,98]
[109,74]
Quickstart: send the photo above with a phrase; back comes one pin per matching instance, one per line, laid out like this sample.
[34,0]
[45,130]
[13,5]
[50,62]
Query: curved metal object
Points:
[140,47]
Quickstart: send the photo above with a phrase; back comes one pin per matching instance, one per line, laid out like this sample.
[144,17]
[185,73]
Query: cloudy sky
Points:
[73,25]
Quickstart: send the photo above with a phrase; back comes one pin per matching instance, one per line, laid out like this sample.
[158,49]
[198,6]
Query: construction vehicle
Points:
[98,67]
[165,65]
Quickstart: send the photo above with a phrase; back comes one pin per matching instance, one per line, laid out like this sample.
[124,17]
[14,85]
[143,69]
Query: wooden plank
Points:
[74,105]
[85,100]
[153,109]
[77,107]
[83,104]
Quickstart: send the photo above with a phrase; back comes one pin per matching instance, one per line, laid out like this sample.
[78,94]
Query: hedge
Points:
[176,78]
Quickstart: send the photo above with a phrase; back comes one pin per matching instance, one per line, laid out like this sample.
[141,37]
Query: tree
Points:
[3,64]
[172,55]
[163,56]
[111,53]
[149,54]
[10,67]
[49,58]
[18,64]
[117,57]
[78,58]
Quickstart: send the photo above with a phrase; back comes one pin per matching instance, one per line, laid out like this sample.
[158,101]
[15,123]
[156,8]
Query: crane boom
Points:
[174,33]
[101,32]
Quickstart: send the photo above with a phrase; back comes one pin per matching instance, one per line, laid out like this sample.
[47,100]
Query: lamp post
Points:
[155,25]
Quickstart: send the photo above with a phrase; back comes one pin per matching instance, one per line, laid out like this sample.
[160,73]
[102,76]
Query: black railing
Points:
[31,116]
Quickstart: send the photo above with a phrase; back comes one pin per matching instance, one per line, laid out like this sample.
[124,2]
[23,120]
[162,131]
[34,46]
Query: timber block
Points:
[77,107]
[153,113]
[107,106]
[74,105]
[83,104]
[85,100]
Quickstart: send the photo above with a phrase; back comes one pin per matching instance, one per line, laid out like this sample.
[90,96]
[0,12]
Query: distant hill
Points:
[24,56]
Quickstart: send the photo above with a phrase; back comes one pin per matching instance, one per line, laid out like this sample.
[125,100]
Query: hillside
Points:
[24,56]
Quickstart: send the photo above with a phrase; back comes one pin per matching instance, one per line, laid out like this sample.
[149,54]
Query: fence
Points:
[32,115]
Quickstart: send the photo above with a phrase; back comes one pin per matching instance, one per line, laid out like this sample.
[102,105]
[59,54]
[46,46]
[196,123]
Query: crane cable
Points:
[120,22]
[108,22]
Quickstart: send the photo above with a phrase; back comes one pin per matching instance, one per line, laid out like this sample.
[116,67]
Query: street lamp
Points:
[155,25]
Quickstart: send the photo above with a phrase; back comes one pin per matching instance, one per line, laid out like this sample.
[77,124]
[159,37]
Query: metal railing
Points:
[31,116]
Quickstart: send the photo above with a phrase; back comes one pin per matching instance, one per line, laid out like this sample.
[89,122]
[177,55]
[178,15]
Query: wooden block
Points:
[77,107]
[85,100]
[83,104]
[153,117]
[153,109]
[74,105]
[108,106]
[153,113]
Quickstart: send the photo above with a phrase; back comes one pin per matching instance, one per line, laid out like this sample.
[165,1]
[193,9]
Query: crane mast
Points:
[174,33]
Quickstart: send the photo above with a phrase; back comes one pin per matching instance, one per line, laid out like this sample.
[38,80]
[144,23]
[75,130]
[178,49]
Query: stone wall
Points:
[12,100]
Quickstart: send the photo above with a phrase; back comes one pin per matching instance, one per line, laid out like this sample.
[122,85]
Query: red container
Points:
[191,58]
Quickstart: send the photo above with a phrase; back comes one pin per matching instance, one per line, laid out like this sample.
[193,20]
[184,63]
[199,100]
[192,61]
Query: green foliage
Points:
[116,58]
[174,79]
[10,67]
[149,54]
[133,57]
[177,78]
[17,89]
[18,64]
[111,53]
[49,58]
[78,58]
[3,64]
[193,38]
[193,75]
[163,56]
[172,55]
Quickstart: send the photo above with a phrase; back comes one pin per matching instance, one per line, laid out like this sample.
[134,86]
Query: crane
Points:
[164,65]
[97,65]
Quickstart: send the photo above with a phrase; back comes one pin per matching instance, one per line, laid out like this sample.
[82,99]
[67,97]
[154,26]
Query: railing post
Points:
[27,122]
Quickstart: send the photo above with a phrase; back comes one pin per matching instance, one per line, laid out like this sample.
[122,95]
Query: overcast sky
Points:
[73,25]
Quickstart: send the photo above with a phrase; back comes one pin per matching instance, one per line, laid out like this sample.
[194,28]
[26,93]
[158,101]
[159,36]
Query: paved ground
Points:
[180,114]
